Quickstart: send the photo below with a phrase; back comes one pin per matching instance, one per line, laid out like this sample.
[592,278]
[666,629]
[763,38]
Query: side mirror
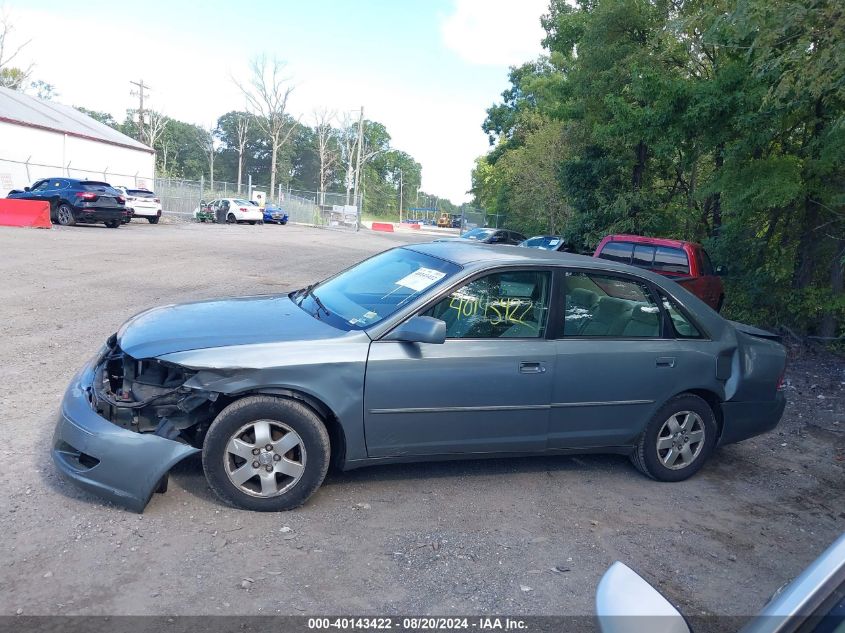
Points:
[27,189]
[419,329]
[721,271]
[625,603]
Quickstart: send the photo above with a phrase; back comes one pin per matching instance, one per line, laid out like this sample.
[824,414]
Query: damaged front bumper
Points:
[120,465]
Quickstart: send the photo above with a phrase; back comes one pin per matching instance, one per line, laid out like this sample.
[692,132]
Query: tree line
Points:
[719,121]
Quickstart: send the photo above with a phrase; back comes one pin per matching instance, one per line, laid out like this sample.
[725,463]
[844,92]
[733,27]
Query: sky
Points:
[426,69]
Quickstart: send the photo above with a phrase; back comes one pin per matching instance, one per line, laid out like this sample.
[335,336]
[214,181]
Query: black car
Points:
[548,243]
[493,236]
[78,201]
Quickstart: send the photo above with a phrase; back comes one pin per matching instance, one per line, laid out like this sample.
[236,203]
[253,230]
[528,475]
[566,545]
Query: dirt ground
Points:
[473,537]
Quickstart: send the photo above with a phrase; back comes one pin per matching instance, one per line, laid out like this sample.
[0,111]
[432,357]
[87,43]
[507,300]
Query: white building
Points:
[43,139]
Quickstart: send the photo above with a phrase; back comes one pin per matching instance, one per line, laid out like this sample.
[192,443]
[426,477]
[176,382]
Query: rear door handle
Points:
[527,367]
[665,361]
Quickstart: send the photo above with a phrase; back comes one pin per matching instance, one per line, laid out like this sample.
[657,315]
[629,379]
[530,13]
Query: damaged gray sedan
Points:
[427,352]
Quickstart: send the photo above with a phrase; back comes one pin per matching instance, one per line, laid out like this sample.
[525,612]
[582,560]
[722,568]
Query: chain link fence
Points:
[182,198]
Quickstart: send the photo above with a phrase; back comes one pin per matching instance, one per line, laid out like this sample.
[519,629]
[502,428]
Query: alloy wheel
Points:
[680,440]
[264,458]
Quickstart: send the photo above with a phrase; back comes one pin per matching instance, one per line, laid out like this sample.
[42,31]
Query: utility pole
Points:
[358,158]
[140,94]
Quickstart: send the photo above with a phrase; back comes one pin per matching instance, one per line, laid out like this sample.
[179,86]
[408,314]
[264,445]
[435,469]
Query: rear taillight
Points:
[86,195]
[782,380]
[243,208]
[156,200]
[121,199]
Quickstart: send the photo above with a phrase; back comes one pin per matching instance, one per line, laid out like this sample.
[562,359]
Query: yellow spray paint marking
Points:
[497,310]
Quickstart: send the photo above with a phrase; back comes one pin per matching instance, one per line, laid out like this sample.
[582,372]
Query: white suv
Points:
[144,203]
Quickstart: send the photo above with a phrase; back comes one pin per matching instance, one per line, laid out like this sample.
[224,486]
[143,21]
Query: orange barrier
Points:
[413,226]
[30,213]
[383,226]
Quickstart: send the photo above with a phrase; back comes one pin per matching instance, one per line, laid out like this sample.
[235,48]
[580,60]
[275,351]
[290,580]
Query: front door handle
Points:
[527,367]
[665,361]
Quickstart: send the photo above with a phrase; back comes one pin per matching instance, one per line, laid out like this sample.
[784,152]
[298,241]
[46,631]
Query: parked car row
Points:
[74,201]
[237,211]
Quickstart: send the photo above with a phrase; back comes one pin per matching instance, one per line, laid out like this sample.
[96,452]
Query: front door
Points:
[486,389]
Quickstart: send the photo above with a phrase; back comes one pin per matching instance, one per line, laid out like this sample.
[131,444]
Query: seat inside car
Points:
[645,321]
[609,317]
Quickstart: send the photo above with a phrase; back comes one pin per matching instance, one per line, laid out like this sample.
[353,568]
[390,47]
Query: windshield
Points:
[373,290]
[477,234]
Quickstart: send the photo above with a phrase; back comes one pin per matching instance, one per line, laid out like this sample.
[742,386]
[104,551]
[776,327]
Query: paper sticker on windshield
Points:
[421,279]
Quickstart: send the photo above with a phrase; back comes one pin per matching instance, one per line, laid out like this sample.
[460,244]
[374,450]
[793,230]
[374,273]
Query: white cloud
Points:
[495,32]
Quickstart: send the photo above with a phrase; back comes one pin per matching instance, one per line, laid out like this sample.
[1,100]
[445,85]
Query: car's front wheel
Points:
[678,439]
[64,214]
[266,454]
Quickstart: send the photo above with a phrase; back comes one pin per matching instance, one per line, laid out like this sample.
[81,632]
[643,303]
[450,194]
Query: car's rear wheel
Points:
[153,220]
[678,439]
[113,224]
[64,214]
[231,219]
[252,222]
[266,454]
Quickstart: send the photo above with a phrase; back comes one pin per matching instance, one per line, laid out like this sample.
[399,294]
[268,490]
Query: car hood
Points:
[219,323]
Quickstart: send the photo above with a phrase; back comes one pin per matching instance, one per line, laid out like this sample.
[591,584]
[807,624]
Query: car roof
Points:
[466,252]
[642,239]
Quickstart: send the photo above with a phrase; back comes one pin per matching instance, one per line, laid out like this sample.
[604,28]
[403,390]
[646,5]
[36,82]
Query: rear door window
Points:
[608,307]
[671,260]
[617,252]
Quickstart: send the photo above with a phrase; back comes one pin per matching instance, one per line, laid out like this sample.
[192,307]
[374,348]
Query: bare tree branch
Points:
[242,130]
[326,147]
[267,93]
[11,77]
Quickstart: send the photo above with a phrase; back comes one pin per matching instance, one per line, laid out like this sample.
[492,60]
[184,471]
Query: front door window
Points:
[511,304]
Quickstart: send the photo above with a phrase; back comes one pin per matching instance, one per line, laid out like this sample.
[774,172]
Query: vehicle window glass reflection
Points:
[511,304]
[683,327]
[600,306]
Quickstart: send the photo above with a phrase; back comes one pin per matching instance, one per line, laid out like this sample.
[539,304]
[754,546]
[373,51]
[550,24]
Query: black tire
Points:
[649,460]
[231,219]
[113,224]
[299,418]
[64,215]
[283,222]
[252,222]
[153,220]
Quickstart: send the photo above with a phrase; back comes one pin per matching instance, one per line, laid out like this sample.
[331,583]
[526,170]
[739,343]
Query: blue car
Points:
[275,215]
[75,201]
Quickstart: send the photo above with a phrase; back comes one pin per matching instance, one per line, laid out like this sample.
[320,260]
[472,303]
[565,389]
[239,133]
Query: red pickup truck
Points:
[684,262]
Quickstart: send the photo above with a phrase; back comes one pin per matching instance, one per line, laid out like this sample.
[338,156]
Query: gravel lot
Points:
[465,537]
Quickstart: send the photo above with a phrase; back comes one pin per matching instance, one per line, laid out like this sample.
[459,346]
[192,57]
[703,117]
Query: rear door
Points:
[616,363]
